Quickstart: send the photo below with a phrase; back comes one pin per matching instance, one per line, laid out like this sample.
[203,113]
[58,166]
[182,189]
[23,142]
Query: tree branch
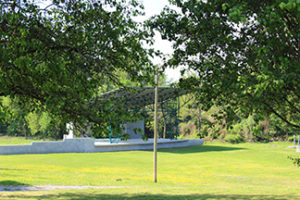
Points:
[291,104]
[280,116]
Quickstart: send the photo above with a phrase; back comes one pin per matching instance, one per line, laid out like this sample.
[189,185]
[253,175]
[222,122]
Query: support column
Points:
[155,127]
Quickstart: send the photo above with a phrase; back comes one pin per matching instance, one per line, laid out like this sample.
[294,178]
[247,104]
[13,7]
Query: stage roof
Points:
[138,97]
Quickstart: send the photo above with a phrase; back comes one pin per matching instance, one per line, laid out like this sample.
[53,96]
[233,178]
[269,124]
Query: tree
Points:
[18,121]
[55,57]
[12,120]
[246,54]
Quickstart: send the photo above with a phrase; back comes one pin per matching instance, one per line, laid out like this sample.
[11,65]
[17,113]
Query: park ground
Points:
[212,171]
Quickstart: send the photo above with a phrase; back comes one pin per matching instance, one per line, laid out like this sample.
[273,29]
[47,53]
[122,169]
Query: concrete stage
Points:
[89,145]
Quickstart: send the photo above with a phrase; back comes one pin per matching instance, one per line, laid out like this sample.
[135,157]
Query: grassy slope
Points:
[215,171]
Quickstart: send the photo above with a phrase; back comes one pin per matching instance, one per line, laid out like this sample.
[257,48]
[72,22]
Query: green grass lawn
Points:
[212,171]
[8,140]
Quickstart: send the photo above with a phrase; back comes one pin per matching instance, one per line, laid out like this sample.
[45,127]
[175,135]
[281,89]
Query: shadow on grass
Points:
[199,149]
[76,196]
[12,183]
[13,186]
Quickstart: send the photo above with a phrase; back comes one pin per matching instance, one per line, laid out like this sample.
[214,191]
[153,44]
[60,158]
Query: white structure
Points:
[135,130]
[84,145]
[70,130]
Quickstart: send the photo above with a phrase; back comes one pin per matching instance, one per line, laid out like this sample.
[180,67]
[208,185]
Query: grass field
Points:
[8,140]
[212,171]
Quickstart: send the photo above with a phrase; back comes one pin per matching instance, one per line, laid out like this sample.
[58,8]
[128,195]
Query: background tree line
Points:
[17,121]
[196,123]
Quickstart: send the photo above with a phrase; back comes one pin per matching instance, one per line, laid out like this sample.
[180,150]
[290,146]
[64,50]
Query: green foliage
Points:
[243,60]
[233,138]
[15,127]
[244,127]
[33,123]
[209,124]
[39,123]
[55,58]
[296,161]
[13,121]
[21,122]
[204,132]
[44,121]
[259,134]
[186,128]
[291,139]
[279,129]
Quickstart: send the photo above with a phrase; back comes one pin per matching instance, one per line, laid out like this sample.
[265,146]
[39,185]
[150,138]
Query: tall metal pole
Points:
[155,127]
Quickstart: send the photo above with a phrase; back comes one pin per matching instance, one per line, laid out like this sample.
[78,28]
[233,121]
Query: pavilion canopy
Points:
[139,97]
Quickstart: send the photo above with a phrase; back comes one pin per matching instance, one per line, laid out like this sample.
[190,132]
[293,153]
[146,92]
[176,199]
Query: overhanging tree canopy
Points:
[246,54]
[56,56]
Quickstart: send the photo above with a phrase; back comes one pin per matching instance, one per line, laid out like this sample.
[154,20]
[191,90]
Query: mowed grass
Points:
[8,140]
[211,171]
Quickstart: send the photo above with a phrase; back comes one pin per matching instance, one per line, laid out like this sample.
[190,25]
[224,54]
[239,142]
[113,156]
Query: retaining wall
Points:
[84,145]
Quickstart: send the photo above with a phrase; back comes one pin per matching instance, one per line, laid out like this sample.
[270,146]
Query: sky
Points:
[153,7]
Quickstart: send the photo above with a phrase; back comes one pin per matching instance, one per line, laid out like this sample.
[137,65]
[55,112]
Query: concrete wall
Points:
[130,126]
[82,145]
[65,146]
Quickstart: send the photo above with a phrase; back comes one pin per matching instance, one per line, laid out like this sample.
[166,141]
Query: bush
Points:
[16,128]
[32,120]
[187,129]
[296,161]
[233,138]
[259,135]
[291,138]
